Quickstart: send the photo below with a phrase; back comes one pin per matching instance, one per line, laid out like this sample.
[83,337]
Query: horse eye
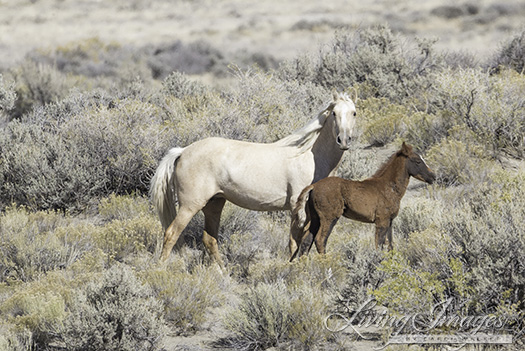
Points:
[355,113]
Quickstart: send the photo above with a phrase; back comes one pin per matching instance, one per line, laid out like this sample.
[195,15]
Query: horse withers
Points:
[373,200]
[256,176]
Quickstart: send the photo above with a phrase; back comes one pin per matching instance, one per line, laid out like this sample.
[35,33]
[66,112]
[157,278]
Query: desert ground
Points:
[282,29]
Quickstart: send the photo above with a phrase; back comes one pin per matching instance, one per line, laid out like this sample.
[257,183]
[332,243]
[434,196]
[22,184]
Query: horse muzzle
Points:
[344,143]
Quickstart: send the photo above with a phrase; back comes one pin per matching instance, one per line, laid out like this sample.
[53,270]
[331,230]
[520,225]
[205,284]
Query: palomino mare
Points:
[263,177]
[373,200]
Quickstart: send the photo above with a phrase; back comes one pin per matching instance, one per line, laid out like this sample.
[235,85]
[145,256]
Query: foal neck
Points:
[395,175]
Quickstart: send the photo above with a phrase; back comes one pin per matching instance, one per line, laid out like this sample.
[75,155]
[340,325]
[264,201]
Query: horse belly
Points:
[255,188]
[360,205]
[359,215]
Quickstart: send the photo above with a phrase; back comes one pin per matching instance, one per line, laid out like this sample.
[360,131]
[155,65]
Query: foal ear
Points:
[406,149]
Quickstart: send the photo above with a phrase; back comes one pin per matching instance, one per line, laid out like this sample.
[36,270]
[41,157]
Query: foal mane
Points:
[382,169]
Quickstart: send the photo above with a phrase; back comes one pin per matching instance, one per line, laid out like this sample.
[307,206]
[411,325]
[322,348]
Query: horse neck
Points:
[396,176]
[327,154]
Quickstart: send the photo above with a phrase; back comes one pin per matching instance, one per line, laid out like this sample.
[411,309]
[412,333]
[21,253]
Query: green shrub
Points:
[358,164]
[122,238]
[43,171]
[29,246]
[36,309]
[361,261]
[418,214]
[114,313]
[13,340]
[383,121]
[424,130]
[178,85]
[487,227]
[405,289]
[124,207]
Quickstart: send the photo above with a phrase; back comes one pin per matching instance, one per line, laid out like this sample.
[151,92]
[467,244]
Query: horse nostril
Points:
[338,140]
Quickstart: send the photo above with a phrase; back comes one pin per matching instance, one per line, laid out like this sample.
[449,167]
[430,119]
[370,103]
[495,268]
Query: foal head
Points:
[344,115]
[416,166]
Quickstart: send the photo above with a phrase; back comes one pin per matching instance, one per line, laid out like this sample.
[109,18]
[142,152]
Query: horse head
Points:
[416,166]
[344,117]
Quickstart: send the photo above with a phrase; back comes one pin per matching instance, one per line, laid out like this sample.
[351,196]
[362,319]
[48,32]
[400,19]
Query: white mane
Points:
[305,137]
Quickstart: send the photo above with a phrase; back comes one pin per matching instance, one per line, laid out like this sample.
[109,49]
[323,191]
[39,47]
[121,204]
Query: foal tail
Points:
[163,188]
[299,214]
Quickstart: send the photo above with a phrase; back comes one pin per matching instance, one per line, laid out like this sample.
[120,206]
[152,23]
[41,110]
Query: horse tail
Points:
[299,215]
[163,188]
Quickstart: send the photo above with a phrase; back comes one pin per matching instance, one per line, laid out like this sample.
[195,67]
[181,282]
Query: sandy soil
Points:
[282,28]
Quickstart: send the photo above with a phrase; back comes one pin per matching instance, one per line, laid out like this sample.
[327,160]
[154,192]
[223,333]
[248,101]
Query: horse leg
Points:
[212,218]
[176,227]
[324,232]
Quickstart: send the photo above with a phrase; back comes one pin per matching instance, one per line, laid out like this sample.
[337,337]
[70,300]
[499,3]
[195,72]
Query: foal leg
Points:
[176,227]
[212,217]
[296,237]
[308,235]
[327,224]
[389,236]
[381,233]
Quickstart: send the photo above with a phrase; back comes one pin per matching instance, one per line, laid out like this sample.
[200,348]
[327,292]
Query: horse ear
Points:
[335,94]
[406,149]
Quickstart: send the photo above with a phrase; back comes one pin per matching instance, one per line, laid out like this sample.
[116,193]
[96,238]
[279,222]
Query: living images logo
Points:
[445,324]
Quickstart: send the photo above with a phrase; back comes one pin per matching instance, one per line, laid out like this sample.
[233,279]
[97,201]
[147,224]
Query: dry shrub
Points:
[277,315]
[382,121]
[511,54]
[186,296]
[117,312]
[59,161]
[374,57]
[38,85]
[7,95]
[489,106]
[456,162]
